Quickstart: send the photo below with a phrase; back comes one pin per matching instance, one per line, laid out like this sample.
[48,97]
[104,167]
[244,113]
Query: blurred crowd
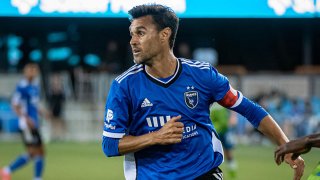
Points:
[297,116]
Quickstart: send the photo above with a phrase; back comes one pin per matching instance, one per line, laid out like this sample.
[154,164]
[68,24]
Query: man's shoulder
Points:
[22,83]
[130,73]
[195,65]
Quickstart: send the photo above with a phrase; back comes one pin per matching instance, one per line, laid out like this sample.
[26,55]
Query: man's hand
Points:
[289,152]
[297,165]
[25,122]
[30,122]
[171,132]
[296,147]
[271,129]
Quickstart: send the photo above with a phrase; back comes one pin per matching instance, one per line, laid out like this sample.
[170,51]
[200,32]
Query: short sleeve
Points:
[219,84]
[116,112]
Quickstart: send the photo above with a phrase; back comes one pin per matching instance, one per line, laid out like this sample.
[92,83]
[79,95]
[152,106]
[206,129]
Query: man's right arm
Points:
[23,117]
[129,143]
[16,105]
[17,110]
[170,133]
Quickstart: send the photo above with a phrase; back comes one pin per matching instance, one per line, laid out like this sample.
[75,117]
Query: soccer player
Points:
[223,120]
[157,112]
[297,147]
[25,103]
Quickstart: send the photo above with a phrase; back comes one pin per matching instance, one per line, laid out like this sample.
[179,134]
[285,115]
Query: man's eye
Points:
[141,33]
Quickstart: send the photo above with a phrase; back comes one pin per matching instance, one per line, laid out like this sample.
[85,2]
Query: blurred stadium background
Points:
[269,49]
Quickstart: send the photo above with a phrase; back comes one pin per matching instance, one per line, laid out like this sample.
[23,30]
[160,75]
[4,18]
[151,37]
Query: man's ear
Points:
[165,34]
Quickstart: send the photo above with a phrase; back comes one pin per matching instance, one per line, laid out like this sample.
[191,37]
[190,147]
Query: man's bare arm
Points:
[272,130]
[314,140]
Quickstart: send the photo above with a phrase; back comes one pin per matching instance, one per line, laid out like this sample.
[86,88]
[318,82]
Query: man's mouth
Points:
[136,51]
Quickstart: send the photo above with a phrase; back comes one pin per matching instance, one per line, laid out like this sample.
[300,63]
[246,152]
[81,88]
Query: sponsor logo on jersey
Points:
[191,99]
[109,115]
[157,121]
[146,103]
[109,126]
[189,130]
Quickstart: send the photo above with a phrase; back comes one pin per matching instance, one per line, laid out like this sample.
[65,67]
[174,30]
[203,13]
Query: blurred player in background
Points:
[25,103]
[56,97]
[298,147]
[223,121]
[157,112]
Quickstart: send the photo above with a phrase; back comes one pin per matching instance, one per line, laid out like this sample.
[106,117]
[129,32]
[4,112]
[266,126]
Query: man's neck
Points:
[162,67]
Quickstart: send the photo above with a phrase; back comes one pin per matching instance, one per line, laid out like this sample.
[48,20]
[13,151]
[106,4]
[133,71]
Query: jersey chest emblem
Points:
[191,99]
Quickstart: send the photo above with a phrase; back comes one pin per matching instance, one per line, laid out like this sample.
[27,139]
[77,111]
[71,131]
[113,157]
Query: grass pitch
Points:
[69,160]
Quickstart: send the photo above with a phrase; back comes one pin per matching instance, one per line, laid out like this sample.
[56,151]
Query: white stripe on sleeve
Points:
[113,135]
[238,101]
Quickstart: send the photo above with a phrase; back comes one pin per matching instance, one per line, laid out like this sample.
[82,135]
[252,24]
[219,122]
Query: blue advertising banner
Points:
[184,8]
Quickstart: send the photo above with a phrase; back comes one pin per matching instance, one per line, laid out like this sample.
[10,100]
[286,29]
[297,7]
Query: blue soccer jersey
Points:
[26,95]
[139,103]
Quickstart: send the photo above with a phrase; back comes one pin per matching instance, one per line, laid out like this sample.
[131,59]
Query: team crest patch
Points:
[191,99]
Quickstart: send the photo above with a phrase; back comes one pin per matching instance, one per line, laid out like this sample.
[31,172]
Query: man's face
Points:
[145,39]
[31,71]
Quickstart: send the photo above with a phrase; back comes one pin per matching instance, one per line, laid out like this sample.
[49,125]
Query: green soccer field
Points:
[68,161]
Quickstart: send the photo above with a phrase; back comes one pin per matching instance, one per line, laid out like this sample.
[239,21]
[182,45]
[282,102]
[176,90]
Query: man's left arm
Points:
[271,129]
[261,120]
[43,112]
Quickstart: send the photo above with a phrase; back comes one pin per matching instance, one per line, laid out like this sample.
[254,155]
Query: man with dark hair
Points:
[157,112]
[25,103]
[163,17]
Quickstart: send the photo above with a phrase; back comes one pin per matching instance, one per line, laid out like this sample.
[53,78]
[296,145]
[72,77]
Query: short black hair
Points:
[162,16]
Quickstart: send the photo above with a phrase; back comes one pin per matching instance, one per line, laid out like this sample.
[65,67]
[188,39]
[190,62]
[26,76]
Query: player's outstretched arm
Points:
[170,133]
[299,146]
[314,140]
[261,120]
[271,129]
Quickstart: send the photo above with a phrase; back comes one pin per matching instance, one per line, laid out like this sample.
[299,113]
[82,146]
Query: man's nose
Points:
[133,40]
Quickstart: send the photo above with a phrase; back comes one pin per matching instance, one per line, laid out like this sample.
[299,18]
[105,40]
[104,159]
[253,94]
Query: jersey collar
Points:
[170,81]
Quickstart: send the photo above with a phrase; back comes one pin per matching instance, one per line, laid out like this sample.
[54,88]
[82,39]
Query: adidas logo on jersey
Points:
[146,103]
